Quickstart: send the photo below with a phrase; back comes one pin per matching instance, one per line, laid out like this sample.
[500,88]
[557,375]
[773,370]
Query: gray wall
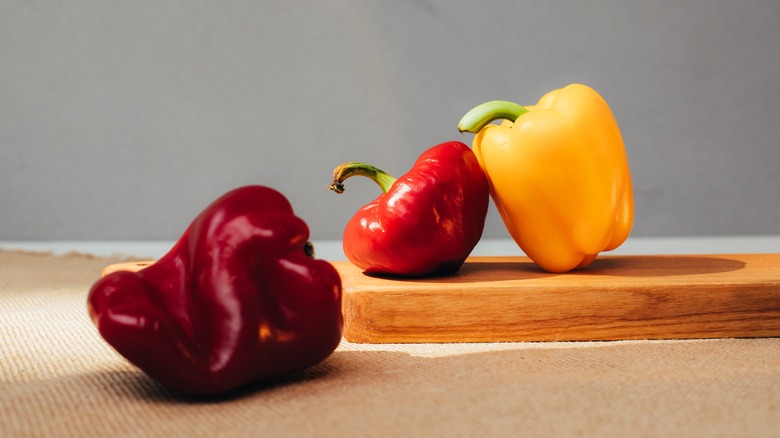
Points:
[122,120]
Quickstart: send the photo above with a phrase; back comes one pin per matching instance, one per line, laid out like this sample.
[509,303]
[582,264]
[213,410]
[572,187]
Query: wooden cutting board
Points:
[498,299]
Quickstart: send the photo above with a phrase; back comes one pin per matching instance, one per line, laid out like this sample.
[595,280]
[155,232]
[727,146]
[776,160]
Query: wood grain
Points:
[498,299]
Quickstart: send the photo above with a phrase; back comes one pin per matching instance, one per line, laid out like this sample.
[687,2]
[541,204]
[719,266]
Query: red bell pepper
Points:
[425,222]
[238,299]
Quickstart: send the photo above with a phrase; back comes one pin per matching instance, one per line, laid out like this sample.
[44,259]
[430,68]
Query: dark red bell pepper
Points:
[238,299]
[426,222]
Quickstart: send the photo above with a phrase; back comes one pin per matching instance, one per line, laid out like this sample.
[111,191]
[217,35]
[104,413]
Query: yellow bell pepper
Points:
[558,173]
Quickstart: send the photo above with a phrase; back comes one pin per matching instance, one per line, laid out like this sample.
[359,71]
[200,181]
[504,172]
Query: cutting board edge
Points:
[744,307]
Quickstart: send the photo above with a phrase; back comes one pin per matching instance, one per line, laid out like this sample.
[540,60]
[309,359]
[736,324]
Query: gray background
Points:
[122,120]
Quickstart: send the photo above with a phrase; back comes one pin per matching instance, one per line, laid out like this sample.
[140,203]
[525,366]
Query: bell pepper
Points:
[425,222]
[558,174]
[238,299]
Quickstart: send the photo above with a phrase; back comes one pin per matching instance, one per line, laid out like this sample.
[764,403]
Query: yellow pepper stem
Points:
[354,168]
[481,115]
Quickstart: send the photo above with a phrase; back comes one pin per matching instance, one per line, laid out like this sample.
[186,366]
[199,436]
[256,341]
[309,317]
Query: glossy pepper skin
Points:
[427,221]
[558,173]
[238,299]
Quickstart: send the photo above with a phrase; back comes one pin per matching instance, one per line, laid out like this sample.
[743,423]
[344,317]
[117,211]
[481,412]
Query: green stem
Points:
[481,115]
[347,170]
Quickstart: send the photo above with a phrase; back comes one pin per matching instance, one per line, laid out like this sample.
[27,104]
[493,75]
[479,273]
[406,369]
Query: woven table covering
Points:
[59,378]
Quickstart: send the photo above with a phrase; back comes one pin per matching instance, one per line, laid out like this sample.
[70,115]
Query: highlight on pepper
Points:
[558,174]
[425,222]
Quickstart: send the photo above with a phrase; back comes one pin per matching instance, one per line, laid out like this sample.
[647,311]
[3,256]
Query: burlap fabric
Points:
[59,378]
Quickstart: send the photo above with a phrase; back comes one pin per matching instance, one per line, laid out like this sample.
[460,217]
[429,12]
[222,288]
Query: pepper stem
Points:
[481,115]
[354,168]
